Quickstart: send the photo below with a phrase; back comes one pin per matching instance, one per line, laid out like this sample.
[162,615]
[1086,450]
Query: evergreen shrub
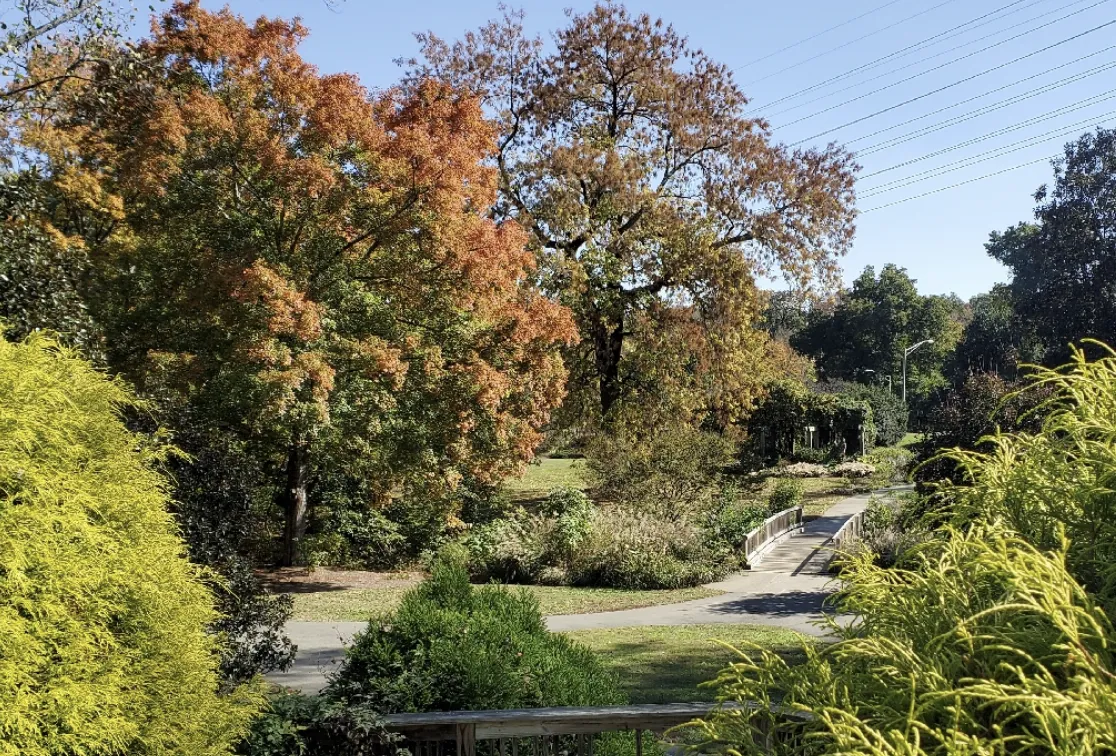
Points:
[104,647]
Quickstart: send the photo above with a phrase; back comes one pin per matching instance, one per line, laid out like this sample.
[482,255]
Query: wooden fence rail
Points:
[560,731]
[775,526]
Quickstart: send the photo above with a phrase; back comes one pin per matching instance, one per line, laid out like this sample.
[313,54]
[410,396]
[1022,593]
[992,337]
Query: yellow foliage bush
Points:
[994,637]
[103,643]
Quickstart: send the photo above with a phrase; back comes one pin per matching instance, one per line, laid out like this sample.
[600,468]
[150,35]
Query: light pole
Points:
[907,352]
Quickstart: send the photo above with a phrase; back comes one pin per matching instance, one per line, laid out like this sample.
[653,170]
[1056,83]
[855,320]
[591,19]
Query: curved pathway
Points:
[786,588]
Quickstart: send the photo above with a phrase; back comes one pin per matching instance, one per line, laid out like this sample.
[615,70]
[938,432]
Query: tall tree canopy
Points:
[1064,264]
[996,339]
[652,198]
[871,324]
[306,265]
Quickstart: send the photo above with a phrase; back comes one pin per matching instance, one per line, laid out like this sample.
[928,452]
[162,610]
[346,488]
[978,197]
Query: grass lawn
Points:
[545,474]
[819,494]
[910,439]
[667,664]
[361,603]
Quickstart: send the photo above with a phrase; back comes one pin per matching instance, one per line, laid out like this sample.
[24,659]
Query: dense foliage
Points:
[977,408]
[1057,483]
[652,198]
[452,646]
[979,644]
[889,415]
[994,634]
[1063,266]
[871,324]
[843,422]
[668,471]
[294,724]
[103,642]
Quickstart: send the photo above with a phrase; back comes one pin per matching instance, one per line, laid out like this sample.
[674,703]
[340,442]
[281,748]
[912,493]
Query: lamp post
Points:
[906,353]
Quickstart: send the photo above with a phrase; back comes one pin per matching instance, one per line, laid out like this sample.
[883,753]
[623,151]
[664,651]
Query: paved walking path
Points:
[786,589]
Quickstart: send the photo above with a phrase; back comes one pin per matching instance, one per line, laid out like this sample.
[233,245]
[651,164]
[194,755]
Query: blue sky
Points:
[938,238]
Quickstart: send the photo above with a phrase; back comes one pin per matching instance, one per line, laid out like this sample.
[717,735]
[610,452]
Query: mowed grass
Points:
[910,439]
[819,494]
[359,604]
[667,664]
[544,475]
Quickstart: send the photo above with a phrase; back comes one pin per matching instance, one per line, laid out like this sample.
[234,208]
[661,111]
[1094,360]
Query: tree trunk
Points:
[298,459]
[608,341]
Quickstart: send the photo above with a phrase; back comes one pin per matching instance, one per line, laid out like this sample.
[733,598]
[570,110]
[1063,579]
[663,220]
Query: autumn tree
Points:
[309,267]
[652,198]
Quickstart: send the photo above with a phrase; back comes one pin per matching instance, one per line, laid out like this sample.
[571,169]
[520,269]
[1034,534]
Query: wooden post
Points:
[467,739]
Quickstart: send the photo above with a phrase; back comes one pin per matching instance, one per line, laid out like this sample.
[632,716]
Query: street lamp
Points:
[907,352]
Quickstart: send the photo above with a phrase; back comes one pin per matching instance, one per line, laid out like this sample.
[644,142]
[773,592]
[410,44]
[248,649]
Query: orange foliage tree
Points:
[309,265]
[652,196]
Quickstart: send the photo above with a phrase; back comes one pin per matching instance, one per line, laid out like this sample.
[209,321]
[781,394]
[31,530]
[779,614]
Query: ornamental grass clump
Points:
[103,643]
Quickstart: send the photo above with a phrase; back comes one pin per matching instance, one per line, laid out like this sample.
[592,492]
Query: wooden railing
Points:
[563,731]
[845,535]
[775,526]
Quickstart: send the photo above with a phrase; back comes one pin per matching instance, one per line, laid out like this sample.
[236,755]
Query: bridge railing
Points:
[845,536]
[560,731]
[775,526]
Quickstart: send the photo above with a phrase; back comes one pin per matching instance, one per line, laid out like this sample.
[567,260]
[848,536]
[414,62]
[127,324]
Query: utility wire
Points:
[983,110]
[1081,104]
[982,157]
[914,47]
[846,44]
[937,90]
[959,183]
[811,38]
[946,52]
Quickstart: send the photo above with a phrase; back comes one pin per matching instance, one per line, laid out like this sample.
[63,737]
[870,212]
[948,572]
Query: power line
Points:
[1103,97]
[946,52]
[981,110]
[801,42]
[853,42]
[951,62]
[959,183]
[985,156]
[939,89]
[911,48]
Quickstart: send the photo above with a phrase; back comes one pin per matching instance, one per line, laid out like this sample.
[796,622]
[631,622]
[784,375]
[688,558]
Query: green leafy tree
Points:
[104,646]
[652,197]
[871,324]
[995,339]
[982,405]
[1063,265]
[41,271]
[889,415]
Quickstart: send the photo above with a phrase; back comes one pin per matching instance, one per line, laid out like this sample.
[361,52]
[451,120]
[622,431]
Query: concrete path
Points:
[786,588]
